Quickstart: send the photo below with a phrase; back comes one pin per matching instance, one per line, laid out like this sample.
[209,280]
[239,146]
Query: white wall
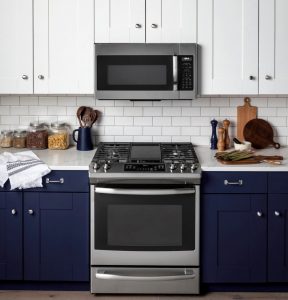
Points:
[149,121]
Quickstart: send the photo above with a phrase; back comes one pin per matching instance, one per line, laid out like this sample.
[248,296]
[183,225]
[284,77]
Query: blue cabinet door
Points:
[11,236]
[234,237]
[278,238]
[56,236]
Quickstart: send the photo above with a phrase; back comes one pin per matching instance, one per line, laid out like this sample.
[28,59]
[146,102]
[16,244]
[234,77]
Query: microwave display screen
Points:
[137,75]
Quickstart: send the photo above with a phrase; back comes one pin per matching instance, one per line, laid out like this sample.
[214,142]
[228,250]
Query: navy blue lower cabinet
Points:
[278,238]
[11,236]
[56,236]
[234,238]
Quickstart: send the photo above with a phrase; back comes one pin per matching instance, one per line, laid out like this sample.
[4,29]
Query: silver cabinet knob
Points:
[138,25]
[154,25]
[41,77]
[252,77]
[25,77]
[259,214]
[277,213]
[268,77]
[13,211]
[30,211]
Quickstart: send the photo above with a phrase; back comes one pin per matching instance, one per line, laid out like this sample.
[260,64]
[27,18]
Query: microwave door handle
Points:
[175,72]
[144,192]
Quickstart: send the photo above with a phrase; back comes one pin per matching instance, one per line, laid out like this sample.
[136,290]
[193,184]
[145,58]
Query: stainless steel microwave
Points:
[146,71]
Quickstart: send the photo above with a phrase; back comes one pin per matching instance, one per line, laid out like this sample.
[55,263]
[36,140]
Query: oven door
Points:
[145,225]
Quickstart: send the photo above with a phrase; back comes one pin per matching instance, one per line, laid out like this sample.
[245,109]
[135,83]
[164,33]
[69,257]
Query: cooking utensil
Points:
[79,114]
[94,117]
[245,113]
[260,133]
[87,116]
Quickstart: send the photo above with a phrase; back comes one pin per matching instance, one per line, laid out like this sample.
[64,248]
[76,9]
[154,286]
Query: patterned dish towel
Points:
[24,170]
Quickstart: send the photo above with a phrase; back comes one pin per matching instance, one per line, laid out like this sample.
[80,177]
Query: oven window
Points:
[134,72]
[144,222]
[144,225]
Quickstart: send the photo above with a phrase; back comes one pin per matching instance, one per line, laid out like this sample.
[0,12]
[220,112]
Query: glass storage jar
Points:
[37,136]
[19,138]
[6,139]
[58,138]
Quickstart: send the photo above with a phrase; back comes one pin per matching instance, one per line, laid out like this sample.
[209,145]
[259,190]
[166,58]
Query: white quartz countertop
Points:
[71,159]
[209,163]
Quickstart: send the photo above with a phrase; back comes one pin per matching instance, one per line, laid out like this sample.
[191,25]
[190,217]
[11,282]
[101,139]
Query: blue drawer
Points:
[234,182]
[278,182]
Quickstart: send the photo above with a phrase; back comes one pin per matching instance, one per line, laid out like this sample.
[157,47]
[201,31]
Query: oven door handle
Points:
[142,192]
[136,277]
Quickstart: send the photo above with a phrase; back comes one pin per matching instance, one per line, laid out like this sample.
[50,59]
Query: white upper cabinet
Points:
[228,39]
[16,47]
[273,40]
[150,21]
[63,47]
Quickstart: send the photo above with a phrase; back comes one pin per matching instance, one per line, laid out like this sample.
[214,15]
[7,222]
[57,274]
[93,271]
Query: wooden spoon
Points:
[94,117]
[87,116]
[79,114]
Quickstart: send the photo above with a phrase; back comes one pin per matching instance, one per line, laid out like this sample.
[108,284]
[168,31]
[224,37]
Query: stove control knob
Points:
[172,167]
[106,166]
[182,167]
[194,167]
[95,166]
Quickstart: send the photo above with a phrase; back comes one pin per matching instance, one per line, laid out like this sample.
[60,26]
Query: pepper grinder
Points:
[214,139]
[226,124]
[221,142]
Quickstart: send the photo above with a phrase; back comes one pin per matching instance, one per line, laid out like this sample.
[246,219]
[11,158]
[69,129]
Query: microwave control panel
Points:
[185,67]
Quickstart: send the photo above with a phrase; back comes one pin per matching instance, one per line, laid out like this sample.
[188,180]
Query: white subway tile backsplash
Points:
[152,111]
[143,121]
[180,121]
[162,121]
[157,121]
[124,120]
[131,130]
[171,131]
[46,101]
[150,130]
[10,100]
[171,111]
[133,111]
[38,110]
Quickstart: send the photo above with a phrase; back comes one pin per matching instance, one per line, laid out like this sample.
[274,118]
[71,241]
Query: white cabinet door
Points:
[120,21]
[16,47]
[63,47]
[171,21]
[228,39]
[273,43]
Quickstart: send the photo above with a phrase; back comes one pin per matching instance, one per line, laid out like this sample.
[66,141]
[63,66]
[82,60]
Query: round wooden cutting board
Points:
[260,133]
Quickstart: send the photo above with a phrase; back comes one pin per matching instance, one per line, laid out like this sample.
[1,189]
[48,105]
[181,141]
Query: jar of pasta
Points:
[19,138]
[37,136]
[58,137]
[6,139]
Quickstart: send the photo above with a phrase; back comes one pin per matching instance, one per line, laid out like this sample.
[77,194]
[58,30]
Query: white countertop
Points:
[209,163]
[71,159]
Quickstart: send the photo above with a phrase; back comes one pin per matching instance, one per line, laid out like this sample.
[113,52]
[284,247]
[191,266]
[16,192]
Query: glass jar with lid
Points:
[19,138]
[37,136]
[58,137]
[6,138]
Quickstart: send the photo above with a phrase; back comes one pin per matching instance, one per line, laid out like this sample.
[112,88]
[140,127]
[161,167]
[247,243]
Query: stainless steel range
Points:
[145,218]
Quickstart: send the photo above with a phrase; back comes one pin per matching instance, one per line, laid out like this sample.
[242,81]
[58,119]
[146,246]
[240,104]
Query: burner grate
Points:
[178,152]
[112,152]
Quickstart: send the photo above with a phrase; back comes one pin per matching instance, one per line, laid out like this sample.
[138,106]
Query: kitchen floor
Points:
[44,295]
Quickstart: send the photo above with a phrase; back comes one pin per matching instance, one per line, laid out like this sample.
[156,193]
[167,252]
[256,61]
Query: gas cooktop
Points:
[134,159]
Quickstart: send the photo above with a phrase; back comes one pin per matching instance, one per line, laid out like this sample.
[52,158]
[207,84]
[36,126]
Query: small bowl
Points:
[244,146]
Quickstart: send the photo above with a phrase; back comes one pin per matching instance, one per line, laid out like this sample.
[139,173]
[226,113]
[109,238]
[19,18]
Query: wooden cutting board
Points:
[245,113]
[252,160]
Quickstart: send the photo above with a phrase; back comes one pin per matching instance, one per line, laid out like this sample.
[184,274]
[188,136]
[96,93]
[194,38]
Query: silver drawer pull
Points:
[31,212]
[259,214]
[61,180]
[239,182]
[277,213]
[13,211]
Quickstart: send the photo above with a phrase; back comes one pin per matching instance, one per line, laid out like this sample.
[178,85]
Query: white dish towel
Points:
[24,170]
